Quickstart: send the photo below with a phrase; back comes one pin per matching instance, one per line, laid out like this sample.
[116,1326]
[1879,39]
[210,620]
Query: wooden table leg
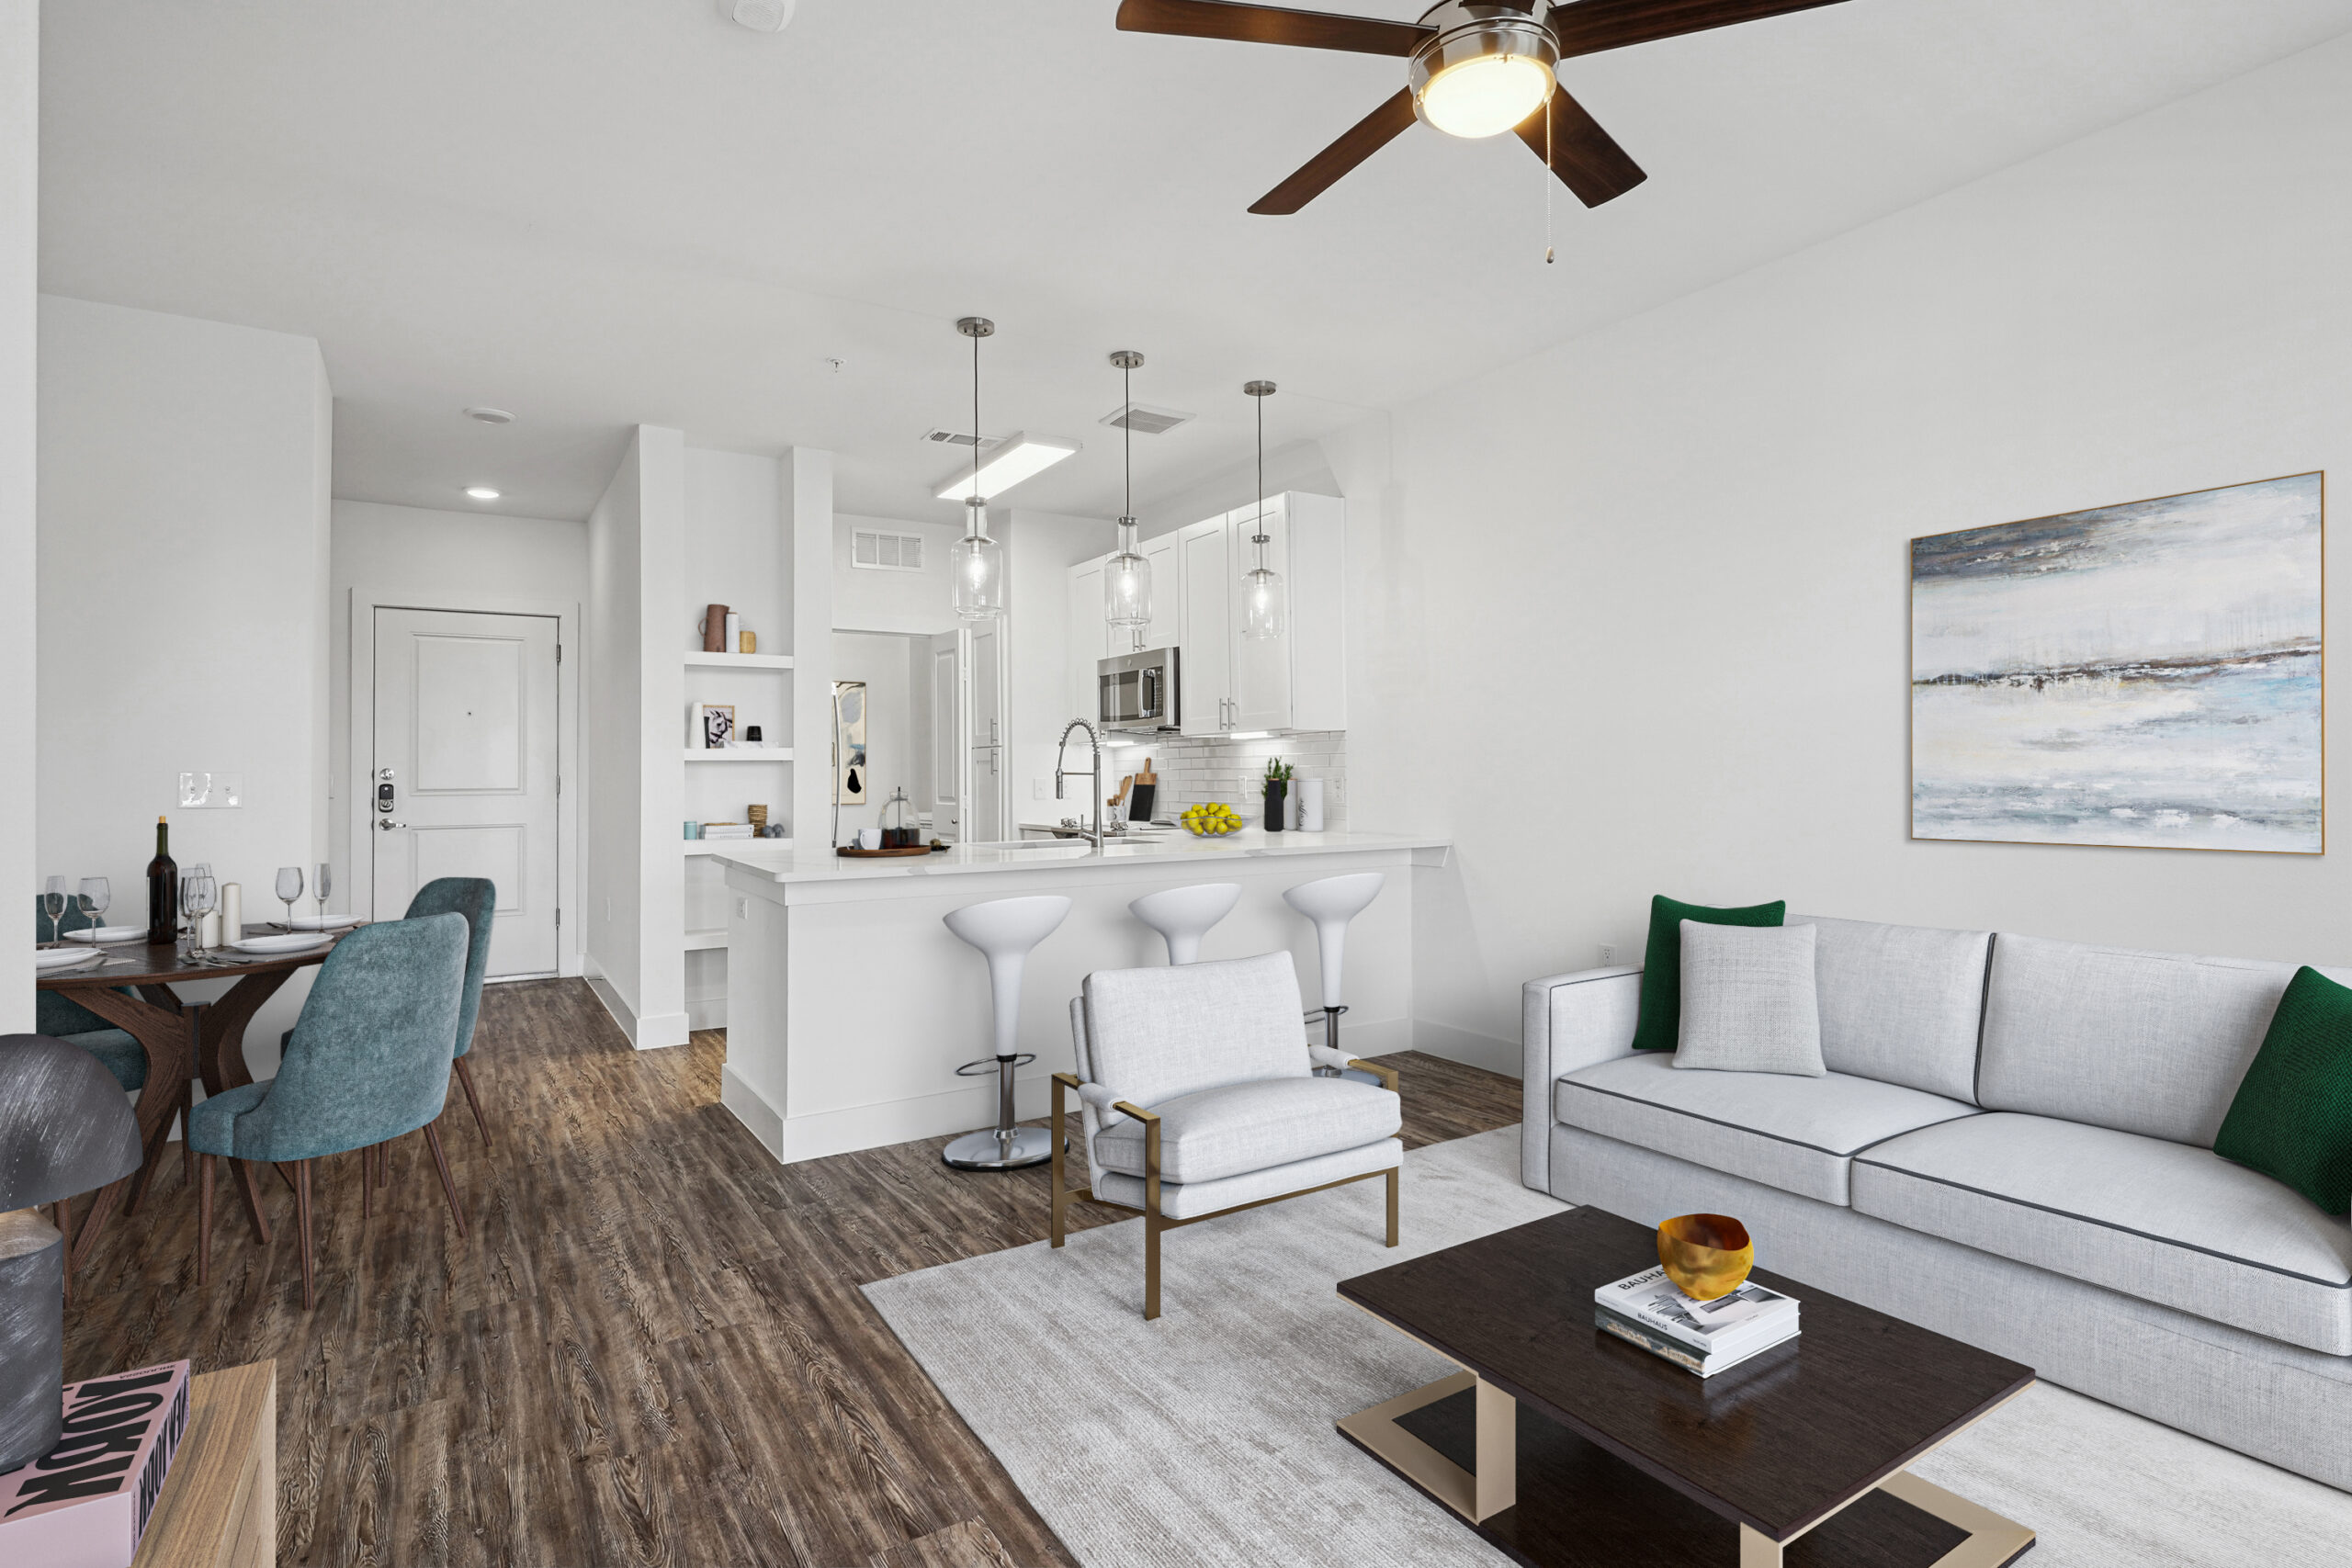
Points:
[221,1052]
[166,1037]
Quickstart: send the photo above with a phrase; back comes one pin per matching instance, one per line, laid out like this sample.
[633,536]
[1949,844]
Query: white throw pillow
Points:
[1748,1000]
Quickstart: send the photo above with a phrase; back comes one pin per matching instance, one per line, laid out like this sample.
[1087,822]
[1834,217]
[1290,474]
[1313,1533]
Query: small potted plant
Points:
[1277,793]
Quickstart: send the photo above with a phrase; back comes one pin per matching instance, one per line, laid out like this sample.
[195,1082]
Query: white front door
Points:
[985,718]
[944,790]
[466,742]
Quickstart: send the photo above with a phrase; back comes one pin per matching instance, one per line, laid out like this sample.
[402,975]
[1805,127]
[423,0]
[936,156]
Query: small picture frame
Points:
[714,725]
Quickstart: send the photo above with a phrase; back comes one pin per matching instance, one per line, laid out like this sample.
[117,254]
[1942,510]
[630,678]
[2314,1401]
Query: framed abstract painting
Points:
[2144,675]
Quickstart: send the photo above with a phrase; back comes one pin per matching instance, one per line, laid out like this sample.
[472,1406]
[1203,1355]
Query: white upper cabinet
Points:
[1231,683]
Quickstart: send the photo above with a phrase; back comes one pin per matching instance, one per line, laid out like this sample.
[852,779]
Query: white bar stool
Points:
[1331,902]
[1004,929]
[1183,915]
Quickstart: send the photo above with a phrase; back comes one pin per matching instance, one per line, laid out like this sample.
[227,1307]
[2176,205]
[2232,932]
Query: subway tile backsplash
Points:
[1234,772]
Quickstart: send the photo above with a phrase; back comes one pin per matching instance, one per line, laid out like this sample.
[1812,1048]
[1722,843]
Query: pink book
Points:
[86,1503]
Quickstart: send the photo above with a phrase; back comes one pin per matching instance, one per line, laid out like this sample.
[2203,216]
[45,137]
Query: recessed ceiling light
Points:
[482,492]
[490,416]
[761,16]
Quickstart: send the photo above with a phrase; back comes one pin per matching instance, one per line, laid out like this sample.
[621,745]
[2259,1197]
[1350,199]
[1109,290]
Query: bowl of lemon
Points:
[1212,819]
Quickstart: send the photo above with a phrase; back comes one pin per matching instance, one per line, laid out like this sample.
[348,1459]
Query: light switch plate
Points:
[201,791]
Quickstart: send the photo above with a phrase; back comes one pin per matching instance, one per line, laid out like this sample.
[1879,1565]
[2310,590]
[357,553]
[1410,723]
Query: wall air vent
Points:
[1144,420]
[962,439]
[876,551]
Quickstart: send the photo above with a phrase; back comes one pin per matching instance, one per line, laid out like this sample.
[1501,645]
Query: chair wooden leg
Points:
[302,1223]
[250,1190]
[204,1222]
[384,1163]
[466,1080]
[1392,1206]
[1061,1181]
[449,1188]
[1150,1266]
[188,1148]
[368,1182]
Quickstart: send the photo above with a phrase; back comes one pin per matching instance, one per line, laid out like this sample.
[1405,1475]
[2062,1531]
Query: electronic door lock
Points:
[384,792]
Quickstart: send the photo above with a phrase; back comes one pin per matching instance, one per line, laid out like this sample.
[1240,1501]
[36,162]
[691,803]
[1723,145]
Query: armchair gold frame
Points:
[1154,1222]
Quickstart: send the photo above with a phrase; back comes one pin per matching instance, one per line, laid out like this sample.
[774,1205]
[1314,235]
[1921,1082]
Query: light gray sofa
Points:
[2013,1146]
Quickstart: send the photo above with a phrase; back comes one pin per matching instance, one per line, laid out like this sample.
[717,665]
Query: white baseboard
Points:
[648,1033]
[708,1012]
[1462,1046]
[610,996]
[752,1110]
[795,1138]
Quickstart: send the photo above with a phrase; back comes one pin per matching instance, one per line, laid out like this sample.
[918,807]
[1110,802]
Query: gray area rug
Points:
[1206,1438]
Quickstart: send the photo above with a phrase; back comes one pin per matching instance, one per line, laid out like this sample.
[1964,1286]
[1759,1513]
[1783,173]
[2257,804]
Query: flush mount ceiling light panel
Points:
[1475,70]
[1018,457]
[488,416]
[482,492]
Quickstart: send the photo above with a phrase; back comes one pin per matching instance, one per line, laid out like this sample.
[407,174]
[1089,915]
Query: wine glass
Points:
[289,888]
[53,903]
[189,912]
[94,895]
[324,881]
[202,895]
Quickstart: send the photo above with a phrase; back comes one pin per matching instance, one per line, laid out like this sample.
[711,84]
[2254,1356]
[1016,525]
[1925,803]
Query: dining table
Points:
[131,988]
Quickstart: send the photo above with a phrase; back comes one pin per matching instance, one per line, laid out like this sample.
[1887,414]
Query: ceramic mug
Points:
[869,838]
[694,829]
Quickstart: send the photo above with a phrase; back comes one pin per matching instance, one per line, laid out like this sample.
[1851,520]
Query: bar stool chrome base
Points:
[988,1149]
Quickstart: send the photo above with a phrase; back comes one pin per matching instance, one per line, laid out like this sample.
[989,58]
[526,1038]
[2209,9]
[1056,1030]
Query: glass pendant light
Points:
[1126,576]
[1261,585]
[976,561]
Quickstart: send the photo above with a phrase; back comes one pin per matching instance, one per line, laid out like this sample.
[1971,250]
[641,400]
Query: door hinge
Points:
[558,783]
[559,653]
[558,917]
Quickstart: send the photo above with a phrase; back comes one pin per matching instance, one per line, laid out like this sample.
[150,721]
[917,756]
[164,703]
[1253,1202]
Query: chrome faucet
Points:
[1094,736]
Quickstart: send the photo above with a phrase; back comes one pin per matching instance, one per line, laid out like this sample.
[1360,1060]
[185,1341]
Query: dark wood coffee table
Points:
[1562,1445]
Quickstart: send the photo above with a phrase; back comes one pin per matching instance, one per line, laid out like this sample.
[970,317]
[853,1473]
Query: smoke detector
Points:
[760,16]
[963,438]
[1143,419]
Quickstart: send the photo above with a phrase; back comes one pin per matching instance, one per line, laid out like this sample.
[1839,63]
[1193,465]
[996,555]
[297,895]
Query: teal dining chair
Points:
[59,1016]
[369,1062]
[476,898]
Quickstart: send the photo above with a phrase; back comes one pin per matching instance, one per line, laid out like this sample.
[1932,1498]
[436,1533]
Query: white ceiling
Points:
[602,212]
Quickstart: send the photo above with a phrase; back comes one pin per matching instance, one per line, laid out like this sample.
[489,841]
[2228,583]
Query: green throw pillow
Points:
[1661,1024]
[2292,1116]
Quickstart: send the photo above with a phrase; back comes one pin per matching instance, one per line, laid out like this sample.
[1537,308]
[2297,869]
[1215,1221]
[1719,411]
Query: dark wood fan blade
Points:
[1361,141]
[1585,157]
[1591,26]
[1271,24]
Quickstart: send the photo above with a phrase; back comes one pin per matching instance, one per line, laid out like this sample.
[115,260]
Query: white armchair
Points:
[1198,1097]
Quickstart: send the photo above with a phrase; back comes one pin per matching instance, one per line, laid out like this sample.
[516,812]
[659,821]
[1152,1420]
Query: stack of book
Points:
[727,830]
[87,1502]
[1648,1309]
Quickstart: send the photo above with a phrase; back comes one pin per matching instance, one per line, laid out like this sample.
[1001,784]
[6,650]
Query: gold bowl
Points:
[1706,1256]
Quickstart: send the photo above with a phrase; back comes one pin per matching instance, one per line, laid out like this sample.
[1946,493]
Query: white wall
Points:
[183,572]
[1634,612]
[871,600]
[1040,548]
[439,561]
[632,876]
[19,332]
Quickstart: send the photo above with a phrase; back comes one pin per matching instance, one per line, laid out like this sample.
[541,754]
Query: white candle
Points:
[1310,806]
[233,913]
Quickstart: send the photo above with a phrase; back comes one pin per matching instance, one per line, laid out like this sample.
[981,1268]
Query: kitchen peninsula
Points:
[851,1005]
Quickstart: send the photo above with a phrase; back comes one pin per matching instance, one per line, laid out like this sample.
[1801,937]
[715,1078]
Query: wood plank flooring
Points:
[649,1349]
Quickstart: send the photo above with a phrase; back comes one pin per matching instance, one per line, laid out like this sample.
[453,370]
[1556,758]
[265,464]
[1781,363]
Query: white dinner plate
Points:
[109,933]
[296,942]
[332,923]
[48,958]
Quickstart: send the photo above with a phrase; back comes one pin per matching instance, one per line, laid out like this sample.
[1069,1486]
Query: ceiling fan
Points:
[1479,68]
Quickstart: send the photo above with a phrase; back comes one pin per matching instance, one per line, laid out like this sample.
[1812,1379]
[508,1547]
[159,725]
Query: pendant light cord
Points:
[972,513]
[1259,538]
[1127,423]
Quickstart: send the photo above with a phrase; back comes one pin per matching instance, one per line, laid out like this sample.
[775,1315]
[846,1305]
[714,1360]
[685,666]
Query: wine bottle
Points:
[163,891]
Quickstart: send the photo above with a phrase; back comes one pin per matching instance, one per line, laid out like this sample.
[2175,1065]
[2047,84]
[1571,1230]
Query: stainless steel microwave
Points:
[1139,691]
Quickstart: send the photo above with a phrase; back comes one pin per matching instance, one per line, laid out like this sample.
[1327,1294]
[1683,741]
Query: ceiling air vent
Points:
[877,551]
[962,439]
[1144,420]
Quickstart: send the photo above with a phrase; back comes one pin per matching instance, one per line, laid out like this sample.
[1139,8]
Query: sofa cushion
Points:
[2146,1042]
[1748,1001]
[1153,1034]
[1661,1019]
[1219,1132]
[2292,1115]
[2156,1219]
[1901,1004]
[1798,1134]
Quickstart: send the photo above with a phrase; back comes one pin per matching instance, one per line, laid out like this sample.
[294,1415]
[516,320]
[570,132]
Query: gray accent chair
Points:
[2012,1146]
[1198,1099]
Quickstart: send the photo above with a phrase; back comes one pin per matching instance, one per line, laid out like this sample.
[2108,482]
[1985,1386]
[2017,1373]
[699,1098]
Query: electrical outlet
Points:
[1338,788]
[202,791]
[742,908]
[1608,955]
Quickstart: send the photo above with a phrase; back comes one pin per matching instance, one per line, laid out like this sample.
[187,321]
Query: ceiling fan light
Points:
[1486,95]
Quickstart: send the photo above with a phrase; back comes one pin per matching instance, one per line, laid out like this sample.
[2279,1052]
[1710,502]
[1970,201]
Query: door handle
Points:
[386,825]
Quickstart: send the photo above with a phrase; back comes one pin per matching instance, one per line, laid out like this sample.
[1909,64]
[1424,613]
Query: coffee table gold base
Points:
[1479,1494]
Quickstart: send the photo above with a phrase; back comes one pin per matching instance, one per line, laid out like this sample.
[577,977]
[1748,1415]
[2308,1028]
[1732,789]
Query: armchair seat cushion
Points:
[1188,1201]
[1799,1134]
[1218,1132]
[2162,1221]
[117,1052]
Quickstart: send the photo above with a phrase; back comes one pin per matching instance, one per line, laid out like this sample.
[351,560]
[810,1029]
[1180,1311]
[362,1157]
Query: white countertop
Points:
[1053,854]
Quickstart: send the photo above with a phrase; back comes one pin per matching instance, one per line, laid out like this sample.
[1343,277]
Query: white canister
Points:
[734,633]
[1309,796]
[207,929]
[233,913]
